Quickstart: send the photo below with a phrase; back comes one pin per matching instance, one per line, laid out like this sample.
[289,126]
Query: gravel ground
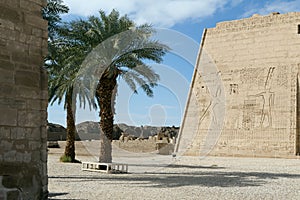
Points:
[152,176]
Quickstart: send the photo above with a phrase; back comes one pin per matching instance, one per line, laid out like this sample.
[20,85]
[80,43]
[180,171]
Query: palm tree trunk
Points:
[104,95]
[71,129]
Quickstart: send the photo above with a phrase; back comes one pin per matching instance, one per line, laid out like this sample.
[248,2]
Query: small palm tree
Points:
[62,67]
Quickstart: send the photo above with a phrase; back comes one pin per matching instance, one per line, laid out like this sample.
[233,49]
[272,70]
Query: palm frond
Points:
[52,13]
[109,45]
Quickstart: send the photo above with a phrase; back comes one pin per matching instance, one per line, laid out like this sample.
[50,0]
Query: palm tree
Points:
[62,67]
[60,87]
[132,68]
[125,48]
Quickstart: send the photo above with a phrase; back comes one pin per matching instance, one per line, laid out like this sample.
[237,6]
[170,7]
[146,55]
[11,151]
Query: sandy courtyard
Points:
[153,176]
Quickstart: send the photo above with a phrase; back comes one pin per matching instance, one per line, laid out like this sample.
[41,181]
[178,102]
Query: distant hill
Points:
[56,132]
[89,130]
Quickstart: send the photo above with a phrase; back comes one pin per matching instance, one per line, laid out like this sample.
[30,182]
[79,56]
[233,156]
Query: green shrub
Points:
[65,158]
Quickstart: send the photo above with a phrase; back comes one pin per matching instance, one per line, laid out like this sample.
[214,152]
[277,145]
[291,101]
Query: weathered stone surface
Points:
[29,118]
[28,79]
[21,175]
[35,21]
[11,3]
[19,133]
[257,62]
[23,99]
[33,134]
[5,133]
[30,6]
[9,117]
[6,76]
[7,90]
[4,54]
[42,3]
[10,14]
[6,65]
[7,24]
[3,43]
[26,92]
[5,145]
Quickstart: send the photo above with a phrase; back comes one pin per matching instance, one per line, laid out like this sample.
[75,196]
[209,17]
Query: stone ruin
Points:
[23,100]
[163,140]
[131,138]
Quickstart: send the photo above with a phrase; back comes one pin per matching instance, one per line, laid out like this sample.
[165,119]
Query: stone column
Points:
[23,100]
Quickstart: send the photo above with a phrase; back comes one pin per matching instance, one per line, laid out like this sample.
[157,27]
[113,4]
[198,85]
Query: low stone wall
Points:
[165,146]
[136,145]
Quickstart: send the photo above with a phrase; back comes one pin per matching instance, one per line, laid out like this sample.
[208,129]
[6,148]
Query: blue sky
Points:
[179,24]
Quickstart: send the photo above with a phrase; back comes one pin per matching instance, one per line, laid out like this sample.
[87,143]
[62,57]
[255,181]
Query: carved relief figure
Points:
[268,101]
[233,114]
[215,104]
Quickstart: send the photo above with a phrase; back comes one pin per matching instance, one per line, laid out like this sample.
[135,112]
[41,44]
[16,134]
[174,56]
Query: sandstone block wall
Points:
[23,100]
[138,146]
[258,61]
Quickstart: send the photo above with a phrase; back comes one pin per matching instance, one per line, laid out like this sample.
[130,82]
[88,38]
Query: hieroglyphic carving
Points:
[249,114]
[234,89]
[252,77]
[282,77]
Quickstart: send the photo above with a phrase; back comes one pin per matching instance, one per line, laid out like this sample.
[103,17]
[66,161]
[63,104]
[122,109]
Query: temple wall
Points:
[23,100]
[257,61]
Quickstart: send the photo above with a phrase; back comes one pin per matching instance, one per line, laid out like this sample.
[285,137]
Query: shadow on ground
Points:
[50,195]
[191,177]
[176,166]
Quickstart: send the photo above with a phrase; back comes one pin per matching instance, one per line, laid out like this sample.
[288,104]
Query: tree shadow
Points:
[194,177]
[57,194]
[176,166]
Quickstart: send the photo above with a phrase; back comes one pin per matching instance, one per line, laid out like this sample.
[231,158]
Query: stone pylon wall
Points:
[257,60]
[23,100]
